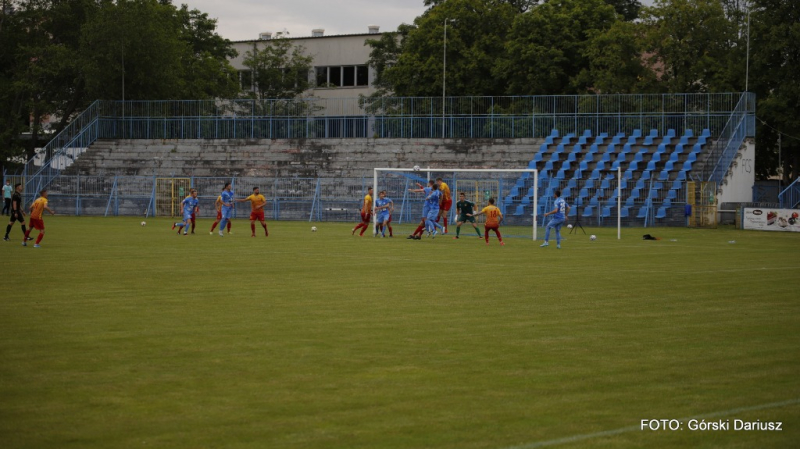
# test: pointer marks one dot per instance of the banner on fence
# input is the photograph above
(763, 219)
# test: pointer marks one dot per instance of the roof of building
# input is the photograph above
(311, 37)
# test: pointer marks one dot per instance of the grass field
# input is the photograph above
(119, 336)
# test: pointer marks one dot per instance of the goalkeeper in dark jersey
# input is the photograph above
(466, 210)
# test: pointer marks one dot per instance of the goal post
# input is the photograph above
(428, 171)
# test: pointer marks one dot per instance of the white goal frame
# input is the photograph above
(460, 170)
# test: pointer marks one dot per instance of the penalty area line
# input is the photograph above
(606, 433)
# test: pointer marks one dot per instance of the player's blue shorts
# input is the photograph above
(187, 215)
(555, 223)
(433, 214)
(425, 209)
(227, 212)
(383, 218)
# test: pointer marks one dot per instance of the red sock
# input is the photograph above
(419, 229)
(265, 229)
(253, 228)
(362, 230)
(390, 231)
(27, 234)
(499, 237)
(39, 239)
(214, 225)
(229, 226)
(486, 235)
(192, 224)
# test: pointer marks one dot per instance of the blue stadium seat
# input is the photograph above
(595, 174)
(606, 212)
(681, 176)
(661, 212)
(645, 175)
(672, 194)
(629, 201)
(642, 212)
(706, 133)
(605, 183)
(688, 133)
(670, 133)
(623, 212)
(587, 211)
(664, 175)
(572, 183)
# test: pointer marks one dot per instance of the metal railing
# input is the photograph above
(790, 196)
(723, 150)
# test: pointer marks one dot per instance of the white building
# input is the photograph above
(340, 67)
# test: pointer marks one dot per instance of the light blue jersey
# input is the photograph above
(227, 197)
(383, 214)
(561, 206)
(189, 204)
(432, 200)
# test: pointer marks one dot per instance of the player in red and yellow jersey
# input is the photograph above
(493, 219)
(445, 204)
(257, 203)
(366, 213)
(37, 222)
(218, 206)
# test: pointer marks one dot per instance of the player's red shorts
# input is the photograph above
(194, 217)
(446, 205)
(491, 227)
(36, 223)
(365, 217)
(219, 215)
(257, 215)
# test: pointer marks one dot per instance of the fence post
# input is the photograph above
(78, 195)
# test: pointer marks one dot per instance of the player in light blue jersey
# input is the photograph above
(227, 207)
(189, 205)
(384, 207)
(432, 202)
(559, 214)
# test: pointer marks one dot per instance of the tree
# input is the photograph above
(688, 41)
(546, 50)
(775, 78)
(616, 62)
(475, 40)
(280, 69)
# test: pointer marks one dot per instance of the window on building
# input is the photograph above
(342, 76)
(246, 80)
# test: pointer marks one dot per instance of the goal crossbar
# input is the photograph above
(535, 172)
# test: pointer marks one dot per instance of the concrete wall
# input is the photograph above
(301, 158)
(738, 184)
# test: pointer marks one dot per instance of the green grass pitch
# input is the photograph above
(121, 336)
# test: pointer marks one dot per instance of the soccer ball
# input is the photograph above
(592, 237)
(143, 223)
(416, 168)
(313, 229)
(569, 226)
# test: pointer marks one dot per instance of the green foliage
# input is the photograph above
(57, 56)
(280, 69)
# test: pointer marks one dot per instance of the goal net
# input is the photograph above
(515, 193)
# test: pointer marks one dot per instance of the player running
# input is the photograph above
(493, 219)
(383, 208)
(218, 206)
(227, 207)
(17, 212)
(445, 204)
(366, 213)
(257, 203)
(189, 207)
(37, 220)
(466, 213)
(559, 213)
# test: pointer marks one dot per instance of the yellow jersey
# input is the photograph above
(493, 215)
(256, 200)
(445, 191)
(367, 204)
(37, 209)
(218, 203)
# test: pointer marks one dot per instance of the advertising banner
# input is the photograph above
(765, 219)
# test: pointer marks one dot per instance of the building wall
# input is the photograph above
(741, 176)
(327, 51)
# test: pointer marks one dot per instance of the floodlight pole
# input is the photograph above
(619, 202)
(747, 63)
(444, 74)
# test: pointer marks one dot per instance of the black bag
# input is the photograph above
(648, 237)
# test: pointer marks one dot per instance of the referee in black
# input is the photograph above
(17, 214)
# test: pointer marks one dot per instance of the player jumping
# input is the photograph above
(466, 212)
(493, 219)
(445, 204)
(257, 203)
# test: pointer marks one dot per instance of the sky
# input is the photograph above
(239, 20)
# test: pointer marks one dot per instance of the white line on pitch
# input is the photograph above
(588, 436)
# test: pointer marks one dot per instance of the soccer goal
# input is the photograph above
(523, 195)
(515, 190)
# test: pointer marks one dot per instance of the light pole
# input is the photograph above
(747, 59)
(444, 76)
